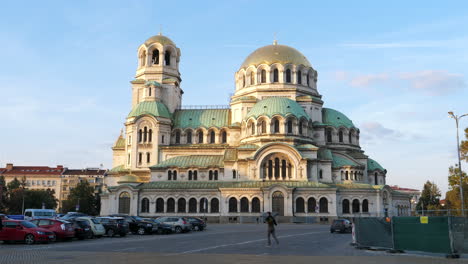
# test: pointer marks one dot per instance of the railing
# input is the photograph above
(204, 107)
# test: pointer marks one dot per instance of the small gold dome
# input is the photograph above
(130, 178)
(163, 40)
(275, 54)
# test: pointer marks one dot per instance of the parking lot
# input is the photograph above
(233, 243)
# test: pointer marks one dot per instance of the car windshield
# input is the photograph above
(28, 224)
(137, 218)
(44, 213)
(96, 221)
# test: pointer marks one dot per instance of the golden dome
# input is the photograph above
(275, 54)
(163, 40)
(130, 178)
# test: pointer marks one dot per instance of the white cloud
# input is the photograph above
(434, 82)
(369, 79)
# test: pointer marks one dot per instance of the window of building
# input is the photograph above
(210, 175)
(320, 174)
(311, 204)
(200, 136)
(323, 205)
(145, 134)
(276, 126)
(308, 80)
(376, 178)
(160, 205)
(145, 205)
(177, 137)
(189, 137)
(140, 135)
(167, 58)
(192, 205)
(190, 175)
(212, 137)
(244, 205)
(233, 205)
(170, 205)
(299, 77)
(346, 175)
(263, 126)
(223, 137)
(233, 174)
(300, 205)
(174, 175)
(149, 91)
(243, 80)
(252, 132)
(350, 138)
(252, 78)
(214, 205)
(124, 203)
(169, 175)
(290, 128)
(288, 76)
(195, 175)
(263, 76)
(329, 135)
(300, 127)
(140, 155)
(162, 139)
(148, 157)
(365, 206)
(340, 136)
(155, 58)
(356, 206)
(255, 205)
(275, 75)
(203, 205)
(150, 135)
(215, 175)
(345, 206)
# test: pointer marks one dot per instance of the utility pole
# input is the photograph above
(459, 161)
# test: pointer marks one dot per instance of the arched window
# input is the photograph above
(177, 137)
(345, 206)
(216, 175)
(299, 77)
(181, 204)
(148, 157)
(244, 205)
(167, 58)
(300, 127)
(252, 78)
(155, 58)
(169, 175)
(311, 204)
(290, 128)
(320, 174)
(140, 155)
(233, 174)
(308, 80)
(203, 205)
(145, 205)
(214, 205)
(192, 205)
(283, 169)
(355, 206)
(210, 175)
(275, 75)
(255, 205)
(189, 175)
(162, 139)
(376, 179)
(189, 137)
(124, 203)
(252, 132)
(288, 76)
(277, 168)
(145, 134)
(223, 137)
(243, 80)
(350, 138)
(212, 137)
(174, 175)
(150, 135)
(300, 205)
(329, 135)
(263, 126)
(233, 205)
(140, 135)
(323, 205)
(346, 176)
(160, 205)
(365, 206)
(340, 136)
(149, 91)
(276, 126)
(200, 136)
(170, 205)
(263, 76)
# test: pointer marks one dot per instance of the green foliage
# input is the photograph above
(464, 146)
(14, 184)
(429, 197)
(454, 178)
(3, 194)
(82, 194)
(35, 198)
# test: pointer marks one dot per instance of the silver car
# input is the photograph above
(179, 224)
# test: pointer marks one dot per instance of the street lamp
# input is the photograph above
(459, 161)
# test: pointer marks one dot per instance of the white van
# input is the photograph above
(30, 214)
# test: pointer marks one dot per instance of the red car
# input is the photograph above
(20, 230)
(62, 229)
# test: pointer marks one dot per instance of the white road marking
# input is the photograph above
(237, 244)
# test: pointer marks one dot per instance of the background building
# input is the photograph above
(71, 177)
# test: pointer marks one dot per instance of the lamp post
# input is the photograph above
(457, 118)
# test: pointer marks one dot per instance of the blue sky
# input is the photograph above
(395, 69)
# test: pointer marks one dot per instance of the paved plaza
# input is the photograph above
(233, 243)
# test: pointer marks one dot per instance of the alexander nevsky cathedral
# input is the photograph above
(274, 148)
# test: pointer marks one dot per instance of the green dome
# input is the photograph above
(335, 118)
(374, 165)
(275, 54)
(277, 106)
(154, 108)
(128, 179)
(163, 40)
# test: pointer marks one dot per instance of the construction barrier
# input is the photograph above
(373, 232)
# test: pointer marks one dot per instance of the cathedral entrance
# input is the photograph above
(277, 203)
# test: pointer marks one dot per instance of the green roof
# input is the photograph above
(153, 108)
(324, 154)
(198, 161)
(128, 179)
(373, 165)
(155, 83)
(195, 118)
(277, 106)
(335, 118)
(120, 143)
(118, 169)
(342, 161)
(306, 146)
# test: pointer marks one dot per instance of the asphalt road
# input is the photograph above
(233, 243)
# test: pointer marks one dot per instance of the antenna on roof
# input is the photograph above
(160, 30)
(275, 41)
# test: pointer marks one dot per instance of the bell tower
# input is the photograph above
(157, 77)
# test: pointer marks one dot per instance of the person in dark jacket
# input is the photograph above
(271, 222)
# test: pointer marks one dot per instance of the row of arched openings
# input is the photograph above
(312, 206)
(340, 136)
(182, 206)
(155, 58)
(263, 77)
(211, 138)
(244, 205)
(145, 135)
(262, 127)
(355, 206)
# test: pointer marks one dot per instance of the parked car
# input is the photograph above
(4, 217)
(341, 225)
(197, 223)
(137, 225)
(20, 230)
(62, 229)
(114, 226)
(72, 215)
(179, 224)
(96, 227)
(82, 229)
(59, 215)
(162, 228)
(30, 214)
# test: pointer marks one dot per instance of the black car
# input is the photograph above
(197, 223)
(137, 225)
(114, 226)
(82, 229)
(342, 226)
(72, 215)
(162, 228)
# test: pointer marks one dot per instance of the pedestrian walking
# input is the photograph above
(257, 220)
(271, 222)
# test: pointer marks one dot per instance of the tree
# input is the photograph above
(452, 197)
(37, 198)
(14, 184)
(3, 194)
(429, 197)
(82, 195)
(464, 147)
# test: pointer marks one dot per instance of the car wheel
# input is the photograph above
(331, 231)
(201, 229)
(110, 233)
(141, 231)
(196, 228)
(178, 229)
(29, 239)
(55, 238)
(90, 235)
(123, 234)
